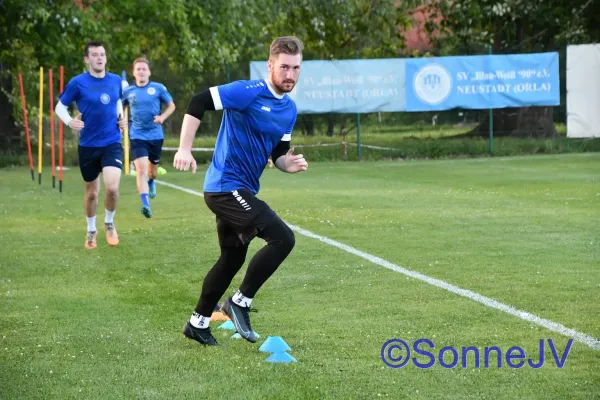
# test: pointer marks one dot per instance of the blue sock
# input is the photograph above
(150, 181)
(145, 201)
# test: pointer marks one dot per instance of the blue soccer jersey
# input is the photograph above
(255, 120)
(96, 99)
(145, 103)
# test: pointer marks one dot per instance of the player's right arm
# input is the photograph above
(69, 95)
(199, 103)
(234, 96)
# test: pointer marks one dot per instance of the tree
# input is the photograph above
(514, 26)
(180, 35)
(190, 44)
(338, 30)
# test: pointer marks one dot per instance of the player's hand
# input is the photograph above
(294, 163)
(184, 160)
(76, 123)
(122, 123)
(158, 119)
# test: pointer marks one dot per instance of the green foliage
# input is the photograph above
(190, 44)
(337, 29)
(469, 26)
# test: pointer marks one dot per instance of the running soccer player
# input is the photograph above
(97, 94)
(257, 123)
(145, 99)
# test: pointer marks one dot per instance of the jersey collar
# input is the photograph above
(273, 92)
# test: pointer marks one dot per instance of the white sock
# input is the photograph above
(199, 321)
(241, 300)
(91, 221)
(108, 216)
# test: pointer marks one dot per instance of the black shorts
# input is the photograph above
(239, 213)
(147, 148)
(93, 159)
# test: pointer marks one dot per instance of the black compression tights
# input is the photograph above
(280, 242)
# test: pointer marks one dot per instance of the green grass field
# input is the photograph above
(106, 323)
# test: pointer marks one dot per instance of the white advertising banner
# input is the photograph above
(583, 91)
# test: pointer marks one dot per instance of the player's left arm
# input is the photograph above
(165, 98)
(120, 115)
(159, 119)
(283, 156)
(286, 160)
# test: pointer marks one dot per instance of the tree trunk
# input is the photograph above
(10, 139)
(330, 124)
(308, 126)
(533, 122)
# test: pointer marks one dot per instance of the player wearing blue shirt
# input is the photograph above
(145, 99)
(97, 94)
(258, 119)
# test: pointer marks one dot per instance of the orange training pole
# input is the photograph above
(60, 137)
(24, 106)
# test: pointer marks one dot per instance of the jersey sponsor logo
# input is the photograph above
(265, 108)
(151, 91)
(105, 98)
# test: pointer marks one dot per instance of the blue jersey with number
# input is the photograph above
(96, 99)
(255, 120)
(145, 103)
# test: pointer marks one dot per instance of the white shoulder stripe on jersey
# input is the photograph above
(287, 137)
(214, 92)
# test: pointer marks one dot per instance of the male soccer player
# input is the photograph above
(98, 97)
(145, 99)
(257, 123)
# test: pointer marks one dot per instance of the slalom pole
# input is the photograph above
(24, 106)
(53, 163)
(40, 125)
(124, 84)
(60, 137)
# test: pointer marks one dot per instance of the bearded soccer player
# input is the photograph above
(97, 94)
(257, 124)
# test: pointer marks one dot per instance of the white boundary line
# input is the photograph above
(296, 146)
(588, 340)
(193, 148)
(368, 146)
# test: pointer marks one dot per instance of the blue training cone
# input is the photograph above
(227, 325)
(274, 344)
(282, 357)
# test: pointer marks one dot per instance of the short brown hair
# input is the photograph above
(286, 45)
(141, 59)
(90, 44)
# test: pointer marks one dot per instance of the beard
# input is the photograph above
(281, 85)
